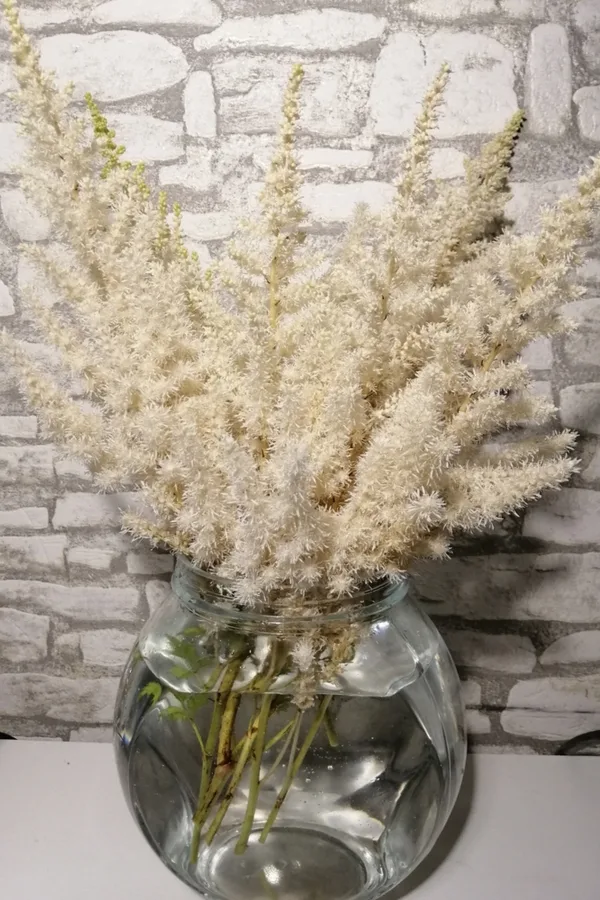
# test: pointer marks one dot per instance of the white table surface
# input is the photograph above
(525, 828)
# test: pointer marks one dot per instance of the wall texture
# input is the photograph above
(193, 87)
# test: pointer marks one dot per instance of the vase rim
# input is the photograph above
(358, 607)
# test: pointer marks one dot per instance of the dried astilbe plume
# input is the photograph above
(299, 433)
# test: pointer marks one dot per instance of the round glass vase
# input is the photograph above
(251, 780)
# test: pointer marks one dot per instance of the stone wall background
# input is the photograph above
(193, 88)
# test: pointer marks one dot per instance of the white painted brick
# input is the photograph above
(510, 749)
(29, 518)
(334, 95)
(12, 148)
(542, 389)
(329, 203)
(330, 158)
(576, 693)
(202, 13)
(580, 407)
(157, 593)
(82, 510)
(146, 138)
(496, 652)
(480, 96)
(92, 735)
(200, 113)
(477, 722)
(538, 354)
(589, 270)
(587, 100)
(327, 29)
(592, 470)
(212, 226)
(8, 82)
(35, 19)
(447, 162)
(570, 516)
(471, 693)
(458, 9)
(587, 15)
(196, 173)
(591, 51)
(149, 563)
(7, 307)
(86, 604)
(18, 426)
(33, 555)
(114, 65)
(530, 198)
(582, 347)
(72, 468)
(524, 9)
(90, 558)
(68, 646)
(579, 647)
(107, 647)
(26, 464)
(560, 587)
(21, 217)
(548, 726)
(548, 81)
(86, 701)
(23, 637)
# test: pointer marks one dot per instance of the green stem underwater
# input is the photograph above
(294, 768)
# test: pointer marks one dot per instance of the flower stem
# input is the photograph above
(203, 805)
(257, 754)
(290, 732)
(235, 779)
(330, 731)
(295, 767)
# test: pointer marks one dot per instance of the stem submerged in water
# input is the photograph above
(294, 768)
(257, 754)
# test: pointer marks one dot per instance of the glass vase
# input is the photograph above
(251, 780)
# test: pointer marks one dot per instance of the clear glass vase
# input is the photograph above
(248, 786)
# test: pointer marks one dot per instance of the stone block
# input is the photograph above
(146, 138)
(587, 100)
(480, 96)
(83, 510)
(26, 464)
(548, 81)
(200, 113)
(106, 647)
(307, 31)
(334, 95)
(114, 65)
(570, 517)
(495, 652)
(200, 13)
(573, 649)
(561, 587)
(330, 204)
(580, 407)
(18, 427)
(12, 148)
(21, 217)
(23, 637)
(29, 518)
(149, 563)
(84, 604)
(548, 726)
(42, 554)
(85, 701)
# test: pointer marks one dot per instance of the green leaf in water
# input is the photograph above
(153, 689)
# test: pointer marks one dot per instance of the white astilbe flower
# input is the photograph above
(301, 428)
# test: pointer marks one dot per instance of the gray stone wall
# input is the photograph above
(193, 87)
